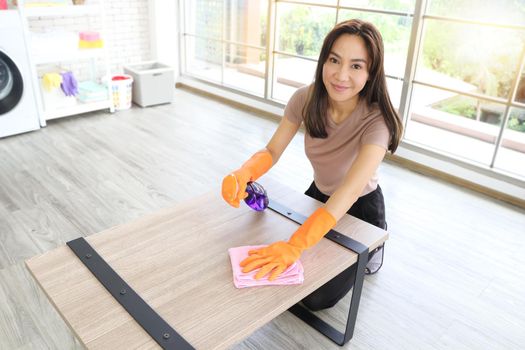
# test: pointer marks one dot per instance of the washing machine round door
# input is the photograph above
(11, 84)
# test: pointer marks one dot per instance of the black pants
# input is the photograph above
(369, 208)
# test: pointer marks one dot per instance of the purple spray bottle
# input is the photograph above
(257, 198)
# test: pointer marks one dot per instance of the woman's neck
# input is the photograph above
(339, 111)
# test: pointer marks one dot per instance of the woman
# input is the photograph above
(350, 124)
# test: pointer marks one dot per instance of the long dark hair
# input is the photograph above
(375, 90)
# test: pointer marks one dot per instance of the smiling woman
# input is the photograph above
(350, 124)
(350, 67)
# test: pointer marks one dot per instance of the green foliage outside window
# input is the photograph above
(458, 105)
(517, 120)
(302, 30)
(482, 56)
(471, 57)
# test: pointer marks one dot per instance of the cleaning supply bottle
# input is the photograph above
(257, 198)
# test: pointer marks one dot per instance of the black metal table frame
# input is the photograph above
(145, 316)
(362, 259)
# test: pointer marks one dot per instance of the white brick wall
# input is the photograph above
(126, 33)
(127, 25)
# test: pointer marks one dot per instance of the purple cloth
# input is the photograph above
(292, 275)
(69, 84)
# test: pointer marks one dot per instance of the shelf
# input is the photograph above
(55, 44)
(61, 11)
(77, 109)
(65, 56)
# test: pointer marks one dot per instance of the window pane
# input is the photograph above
(520, 93)
(203, 58)
(511, 155)
(395, 31)
(245, 69)
(316, 2)
(301, 29)
(503, 11)
(394, 91)
(399, 5)
(456, 124)
(204, 18)
(246, 21)
(290, 74)
(470, 58)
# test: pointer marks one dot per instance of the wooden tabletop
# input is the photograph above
(177, 261)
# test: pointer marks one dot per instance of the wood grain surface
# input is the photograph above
(177, 261)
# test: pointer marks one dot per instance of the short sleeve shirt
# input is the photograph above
(333, 156)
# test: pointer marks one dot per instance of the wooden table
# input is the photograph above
(177, 261)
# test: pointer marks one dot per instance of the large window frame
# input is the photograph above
(419, 19)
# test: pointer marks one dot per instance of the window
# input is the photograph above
(225, 43)
(465, 92)
(300, 31)
(465, 76)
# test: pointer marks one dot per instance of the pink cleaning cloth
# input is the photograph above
(89, 36)
(292, 275)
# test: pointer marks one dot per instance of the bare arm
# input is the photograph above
(368, 160)
(281, 138)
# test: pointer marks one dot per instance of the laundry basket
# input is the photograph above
(121, 87)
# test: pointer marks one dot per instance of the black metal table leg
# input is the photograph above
(362, 259)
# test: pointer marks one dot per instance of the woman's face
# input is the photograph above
(345, 72)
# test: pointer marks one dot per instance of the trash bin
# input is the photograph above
(154, 83)
(121, 91)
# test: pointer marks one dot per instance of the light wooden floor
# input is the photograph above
(454, 275)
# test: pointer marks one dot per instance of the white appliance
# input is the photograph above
(18, 106)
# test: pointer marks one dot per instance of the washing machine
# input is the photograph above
(18, 106)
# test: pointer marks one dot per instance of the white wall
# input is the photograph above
(164, 32)
(127, 31)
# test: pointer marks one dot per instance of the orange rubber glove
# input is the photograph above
(234, 184)
(277, 257)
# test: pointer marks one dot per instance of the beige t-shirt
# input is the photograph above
(333, 156)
